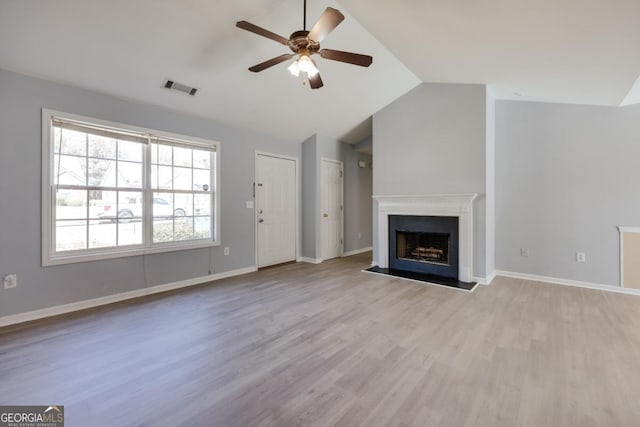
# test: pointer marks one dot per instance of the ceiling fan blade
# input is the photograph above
(329, 20)
(262, 32)
(315, 82)
(348, 57)
(271, 62)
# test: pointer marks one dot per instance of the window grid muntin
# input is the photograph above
(155, 161)
(145, 188)
(87, 188)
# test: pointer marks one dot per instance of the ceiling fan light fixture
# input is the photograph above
(305, 64)
(304, 44)
(313, 70)
(294, 68)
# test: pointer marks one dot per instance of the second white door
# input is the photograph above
(276, 205)
(331, 206)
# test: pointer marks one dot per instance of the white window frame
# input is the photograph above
(49, 255)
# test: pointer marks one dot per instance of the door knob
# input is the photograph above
(326, 215)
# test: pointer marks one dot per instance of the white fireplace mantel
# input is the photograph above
(455, 205)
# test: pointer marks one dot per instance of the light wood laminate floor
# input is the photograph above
(323, 345)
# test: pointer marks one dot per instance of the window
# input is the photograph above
(181, 183)
(111, 190)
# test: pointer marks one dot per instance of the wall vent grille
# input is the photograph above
(170, 84)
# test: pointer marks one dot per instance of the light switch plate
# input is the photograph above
(249, 204)
(10, 281)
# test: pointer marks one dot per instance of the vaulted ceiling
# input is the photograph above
(569, 51)
(560, 51)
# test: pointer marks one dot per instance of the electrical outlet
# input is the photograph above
(10, 281)
(581, 257)
(524, 252)
(359, 236)
(227, 250)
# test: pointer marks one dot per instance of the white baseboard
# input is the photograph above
(109, 299)
(357, 251)
(310, 260)
(568, 282)
(485, 280)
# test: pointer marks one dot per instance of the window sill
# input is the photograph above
(123, 253)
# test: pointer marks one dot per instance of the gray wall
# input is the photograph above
(21, 101)
(490, 184)
(566, 176)
(329, 148)
(357, 195)
(432, 141)
(365, 146)
(309, 197)
(358, 189)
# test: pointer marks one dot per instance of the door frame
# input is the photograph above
(296, 200)
(341, 163)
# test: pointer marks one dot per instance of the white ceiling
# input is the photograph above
(633, 97)
(570, 51)
(128, 48)
(573, 51)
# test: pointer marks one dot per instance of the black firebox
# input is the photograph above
(424, 244)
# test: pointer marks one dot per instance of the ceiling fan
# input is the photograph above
(304, 44)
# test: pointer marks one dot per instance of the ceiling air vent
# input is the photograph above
(170, 84)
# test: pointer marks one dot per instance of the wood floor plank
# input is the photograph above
(328, 345)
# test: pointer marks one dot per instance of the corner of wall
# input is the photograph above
(309, 201)
(490, 181)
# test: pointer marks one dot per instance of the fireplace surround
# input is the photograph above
(459, 206)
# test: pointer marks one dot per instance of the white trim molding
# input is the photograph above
(623, 230)
(629, 229)
(310, 260)
(485, 280)
(357, 251)
(110, 299)
(453, 205)
(568, 282)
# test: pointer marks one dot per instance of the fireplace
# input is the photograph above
(424, 244)
(456, 206)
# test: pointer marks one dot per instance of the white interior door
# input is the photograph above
(276, 210)
(331, 206)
